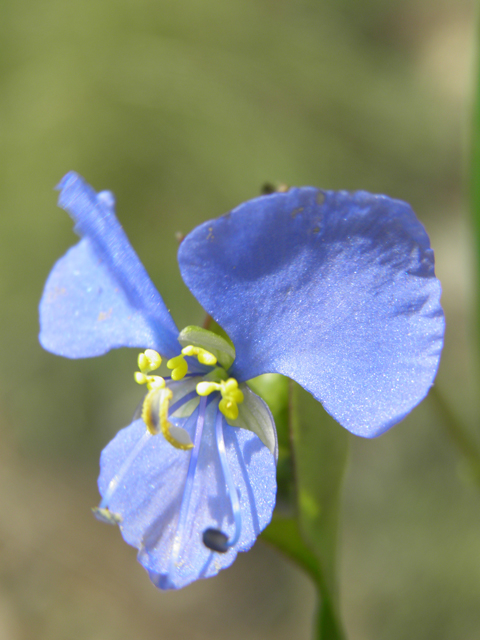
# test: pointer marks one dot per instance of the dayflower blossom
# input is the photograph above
(335, 290)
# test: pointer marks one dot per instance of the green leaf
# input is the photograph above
(320, 448)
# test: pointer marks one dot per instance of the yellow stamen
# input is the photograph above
(203, 356)
(165, 424)
(232, 396)
(206, 388)
(148, 361)
(152, 382)
(179, 366)
(228, 408)
(148, 416)
(157, 420)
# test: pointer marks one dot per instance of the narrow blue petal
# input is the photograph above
(333, 289)
(99, 296)
(150, 494)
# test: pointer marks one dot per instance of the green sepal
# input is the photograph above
(254, 415)
(273, 388)
(222, 348)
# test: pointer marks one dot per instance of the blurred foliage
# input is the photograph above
(184, 108)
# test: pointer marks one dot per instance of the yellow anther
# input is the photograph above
(152, 382)
(231, 387)
(179, 366)
(149, 360)
(158, 417)
(155, 382)
(229, 408)
(232, 396)
(206, 388)
(203, 356)
(140, 378)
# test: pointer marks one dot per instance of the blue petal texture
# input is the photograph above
(99, 296)
(336, 290)
(149, 497)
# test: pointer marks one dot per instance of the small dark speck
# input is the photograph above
(320, 197)
(267, 189)
(316, 229)
(296, 211)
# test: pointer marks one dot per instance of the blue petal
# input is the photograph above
(149, 497)
(99, 296)
(335, 290)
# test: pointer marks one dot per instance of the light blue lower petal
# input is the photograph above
(150, 495)
(336, 290)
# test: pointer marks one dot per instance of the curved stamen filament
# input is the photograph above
(149, 416)
(214, 538)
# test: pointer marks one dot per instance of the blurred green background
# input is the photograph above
(184, 108)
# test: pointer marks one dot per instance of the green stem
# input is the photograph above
(328, 627)
(458, 433)
(284, 534)
(474, 181)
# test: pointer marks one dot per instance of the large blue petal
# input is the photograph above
(99, 296)
(149, 497)
(333, 289)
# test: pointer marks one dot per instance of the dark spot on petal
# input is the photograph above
(320, 197)
(215, 540)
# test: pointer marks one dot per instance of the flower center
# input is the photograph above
(156, 405)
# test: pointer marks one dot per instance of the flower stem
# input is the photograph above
(207, 323)
(327, 626)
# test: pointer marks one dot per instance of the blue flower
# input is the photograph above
(333, 289)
